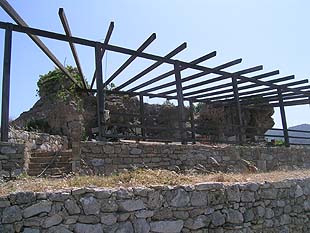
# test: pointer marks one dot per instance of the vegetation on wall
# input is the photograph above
(55, 84)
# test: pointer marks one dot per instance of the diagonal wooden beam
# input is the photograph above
(171, 72)
(241, 72)
(152, 67)
(130, 59)
(67, 30)
(195, 76)
(261, 76)
(106, 41)
(16, 17)
(214, 93)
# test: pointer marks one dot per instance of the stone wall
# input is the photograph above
(105, 158)
(11, 159)
(207, 207)
(39, 142)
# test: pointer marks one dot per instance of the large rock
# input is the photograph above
(88, 228)
(41, 207)
(131, 205)
(11, 214)
(167, 226)
(90, 205)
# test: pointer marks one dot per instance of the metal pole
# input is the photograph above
(6, 85)
(178, 81)
(191, 110)
(236, 97)
(100, 93)
(283, 118)
(142, 116)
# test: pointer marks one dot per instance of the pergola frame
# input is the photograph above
(278, 95)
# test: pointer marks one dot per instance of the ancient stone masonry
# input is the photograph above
(207, 207)
(11, 159)
(106, 158)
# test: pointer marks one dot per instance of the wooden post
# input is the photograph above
(100, 93)
(283, 118)
(142, 117)
(6, 85)
(192, 119)
(178, 81)
(239, 113)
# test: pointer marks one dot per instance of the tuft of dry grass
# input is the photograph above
(143, 177)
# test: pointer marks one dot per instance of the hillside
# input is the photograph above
(303, 127)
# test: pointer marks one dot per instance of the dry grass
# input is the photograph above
(142, 178)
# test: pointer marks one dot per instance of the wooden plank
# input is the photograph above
(152, 67)
(6, 85)
(142, 116)
(192, 121)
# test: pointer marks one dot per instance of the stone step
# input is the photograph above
(54, 165)
(49, 171)
(51, 154)
(50, 158)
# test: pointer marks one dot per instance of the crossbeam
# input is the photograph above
(171, 72)
(67, 30)
(106, 41)
(130, 59)
(15, 16)
(152, 67)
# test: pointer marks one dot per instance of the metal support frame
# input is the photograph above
(178, 80)
(283, 118)
(238, 108)
(100, 93)
(6, 85)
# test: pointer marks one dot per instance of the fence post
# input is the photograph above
(178, 81)
(283, 118)
(100, 93)
(239, 113)
(6, 85)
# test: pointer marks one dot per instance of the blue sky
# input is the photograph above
(262, 32)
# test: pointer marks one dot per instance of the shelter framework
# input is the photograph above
(225, 88)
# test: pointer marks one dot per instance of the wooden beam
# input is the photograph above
(199, 84)
(283, 118)
(178, 80)
(14, 15)
(238, 108)
(195, 76)
(106, 41)
(6, 85)
(130, 59)
(67, 30)
(214, 93)
(171, 72)
(152, 67)
(142, 116)
(100, 93)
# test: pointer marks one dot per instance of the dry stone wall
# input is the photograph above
(106, 158)
(11, 159)
(207, 207)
